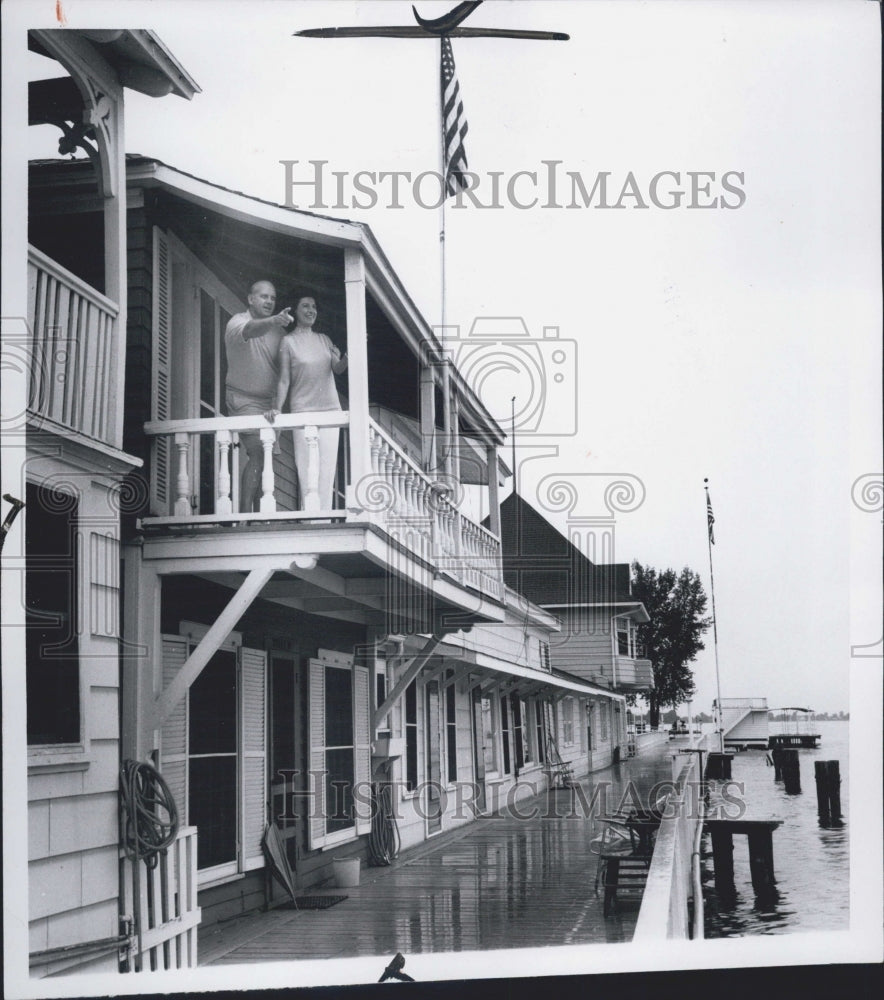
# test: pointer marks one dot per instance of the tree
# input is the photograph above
(676, 604)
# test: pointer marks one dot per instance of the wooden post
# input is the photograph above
(723, 859)
(822, 791)
(791, 772)
(761, 859)
(834, 789)
(357, 372)
(777, 757)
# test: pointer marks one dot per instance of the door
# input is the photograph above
(478, 747)
(212, 764)
(433, 759)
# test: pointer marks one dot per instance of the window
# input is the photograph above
(518, 732)
(340, 750)
(505, 733)
(567, 721)
(212, 718)
(411, 737)
(604, 709)
(544, 655)
(380, 693)
(539, 710)
(489, 742)
(526, 731)
(623, 637)
(213, 754)
(52, 665)
(451, 732)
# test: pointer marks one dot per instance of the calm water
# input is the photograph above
(811, 863)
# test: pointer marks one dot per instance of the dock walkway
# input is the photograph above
(497, 882)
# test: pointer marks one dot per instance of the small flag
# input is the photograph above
(710, 518)
(454, 124)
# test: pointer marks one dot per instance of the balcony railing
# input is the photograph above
(195, 473)
(74, 351)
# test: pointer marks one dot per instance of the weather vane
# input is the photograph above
(447, 25)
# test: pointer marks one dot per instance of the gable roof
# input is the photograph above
(545, 566)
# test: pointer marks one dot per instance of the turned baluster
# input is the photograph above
(310, 502)
(223, 504)
(268, 500)
(182, 482)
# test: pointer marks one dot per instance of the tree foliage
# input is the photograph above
(676, 603)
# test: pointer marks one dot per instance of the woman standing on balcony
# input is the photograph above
(308, 363)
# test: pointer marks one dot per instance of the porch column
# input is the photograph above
(428, 417)
(115, 263)
(493, 489)
(448, 431)
(140, 654)
(357, 373)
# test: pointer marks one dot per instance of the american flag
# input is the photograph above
(454, 124)
(710, 518)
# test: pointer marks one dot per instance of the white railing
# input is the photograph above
(425, 517)
(418, 511)
(165, 911)
(672, 879)
(176, 476)
(747, 703)
(73, 362)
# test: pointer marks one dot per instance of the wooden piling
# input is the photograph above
(723, 859)
(821, 777)
(833, 776)
(761, 859)
(777, 757)
(791, 772)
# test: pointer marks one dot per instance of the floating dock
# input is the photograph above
(796, 729)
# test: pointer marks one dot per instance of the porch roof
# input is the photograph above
(382, 280)
(139, 57)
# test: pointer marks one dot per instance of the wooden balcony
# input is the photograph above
(195, 476)
(633, 674)
(74, 355)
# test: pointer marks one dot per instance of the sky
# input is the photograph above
(737, 344)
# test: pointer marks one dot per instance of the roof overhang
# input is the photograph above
(636, 608)
(140, 59)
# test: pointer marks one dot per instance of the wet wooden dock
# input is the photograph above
(499, 882)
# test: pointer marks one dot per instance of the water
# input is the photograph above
(810, 862)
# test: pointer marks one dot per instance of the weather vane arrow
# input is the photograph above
(446, 25)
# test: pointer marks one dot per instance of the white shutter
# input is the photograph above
(316, 818)
(161, 363)
(253, 741)
(173, 738)
(362, 746)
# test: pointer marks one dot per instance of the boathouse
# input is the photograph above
(744, 723)
(276, 665)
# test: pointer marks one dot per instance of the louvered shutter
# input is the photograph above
(161, 383)
(362, 749)
(173, 738)
(316, 818)
(253, 715)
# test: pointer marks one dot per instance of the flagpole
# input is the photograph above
(444, 187)
(709, 522)
(513, 432)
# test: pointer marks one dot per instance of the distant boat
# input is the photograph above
(796, 728)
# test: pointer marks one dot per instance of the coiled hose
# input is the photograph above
(384, 842)
(146, 800)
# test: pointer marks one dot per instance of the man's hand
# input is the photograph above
(283, 318)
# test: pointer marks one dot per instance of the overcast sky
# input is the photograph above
(736, 344)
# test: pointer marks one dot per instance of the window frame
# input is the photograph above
(62, 750)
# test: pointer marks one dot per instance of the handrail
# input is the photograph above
(200, 425)
(39, 259)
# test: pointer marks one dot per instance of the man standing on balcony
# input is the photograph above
(252, 342)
